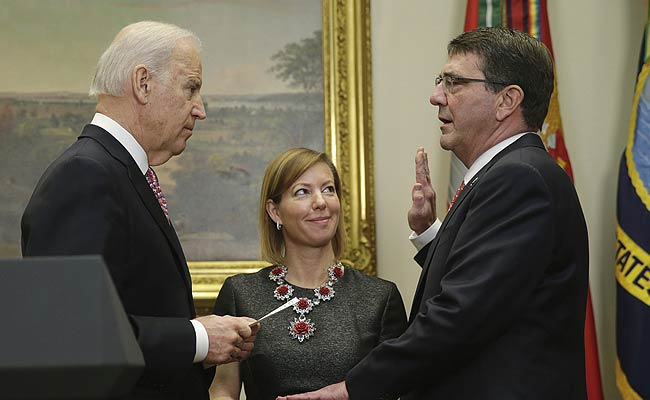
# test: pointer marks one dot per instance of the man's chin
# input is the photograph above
(180, 148)
(445, 142)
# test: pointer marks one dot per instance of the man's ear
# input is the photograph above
(509, 100)
(141, 83)
(273, 212)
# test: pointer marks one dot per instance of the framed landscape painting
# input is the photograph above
(276, 75)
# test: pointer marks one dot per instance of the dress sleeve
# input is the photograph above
(225, 304)
(393, 320)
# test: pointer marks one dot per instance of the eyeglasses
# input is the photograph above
(449, 80)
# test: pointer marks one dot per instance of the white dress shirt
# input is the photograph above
(140, 157)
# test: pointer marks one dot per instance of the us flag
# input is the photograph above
(633, 244)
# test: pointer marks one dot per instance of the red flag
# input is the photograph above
(531, 16)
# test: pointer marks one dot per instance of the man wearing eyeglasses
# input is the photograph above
(500, 305)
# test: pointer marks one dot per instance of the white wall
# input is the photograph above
(596, 47)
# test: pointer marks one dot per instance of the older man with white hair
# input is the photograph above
(101, 196)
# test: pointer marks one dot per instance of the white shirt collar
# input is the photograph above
(485, 158)
(125, 138)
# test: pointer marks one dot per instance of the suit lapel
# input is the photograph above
(525, 141)
(417, 298)
(151, 203)
(143, 189)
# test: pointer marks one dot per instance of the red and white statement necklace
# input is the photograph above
(302, 328)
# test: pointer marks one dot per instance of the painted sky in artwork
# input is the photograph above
(52, 46)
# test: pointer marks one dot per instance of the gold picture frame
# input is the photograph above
(348, 140)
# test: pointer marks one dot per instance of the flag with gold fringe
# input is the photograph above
(633, 243)
(531, 16)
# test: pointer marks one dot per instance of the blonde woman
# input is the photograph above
(341, 313)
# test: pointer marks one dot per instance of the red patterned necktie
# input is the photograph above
(460, 189)
(152, 179)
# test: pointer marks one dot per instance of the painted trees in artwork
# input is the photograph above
(300, 64)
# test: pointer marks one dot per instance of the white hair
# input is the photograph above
(146, 42)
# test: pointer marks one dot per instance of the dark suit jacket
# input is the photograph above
(500, 306)
(93, 199)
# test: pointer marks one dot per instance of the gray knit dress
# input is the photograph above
(363, 312)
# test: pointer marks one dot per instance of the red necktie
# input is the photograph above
(460, 189)
(152, 179)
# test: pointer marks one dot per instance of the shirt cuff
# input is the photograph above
(202, 342)
(421, 240)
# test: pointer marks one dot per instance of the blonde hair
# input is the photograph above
(280, 174)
